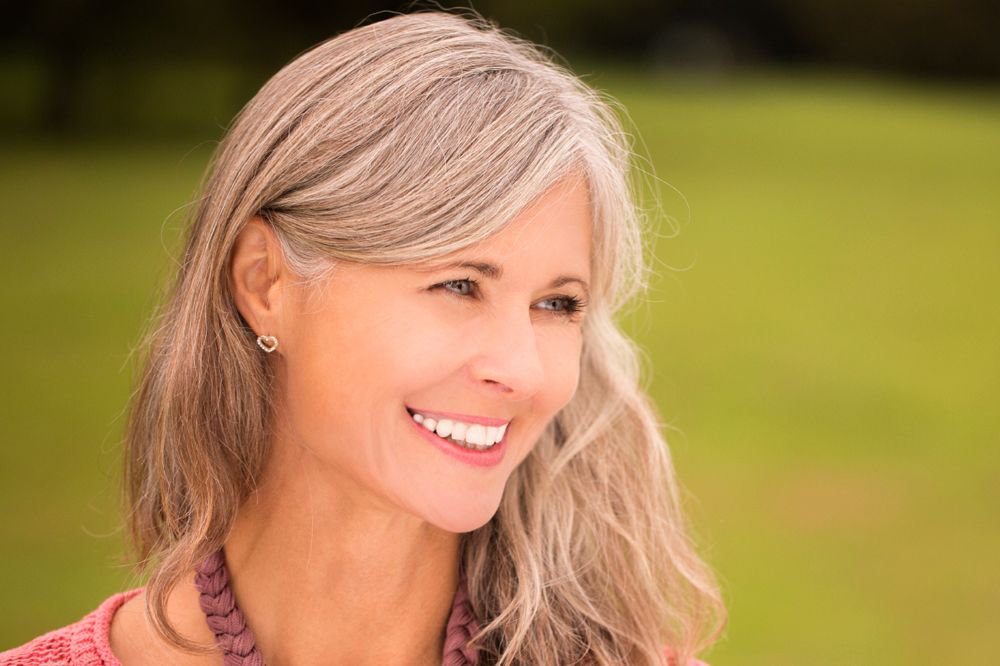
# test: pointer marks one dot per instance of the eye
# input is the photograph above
(468, 286)
(568, 306)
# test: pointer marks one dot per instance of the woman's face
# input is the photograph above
(374, 344)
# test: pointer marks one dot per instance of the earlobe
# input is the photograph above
(254, 273)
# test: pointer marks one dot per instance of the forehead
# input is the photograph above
(548, 244)
(554, 230)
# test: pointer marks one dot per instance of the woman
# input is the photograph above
(386, 415)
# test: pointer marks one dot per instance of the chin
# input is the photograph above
(465, 516)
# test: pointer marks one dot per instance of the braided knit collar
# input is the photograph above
(239, 647)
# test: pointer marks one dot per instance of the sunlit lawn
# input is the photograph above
(822, 335)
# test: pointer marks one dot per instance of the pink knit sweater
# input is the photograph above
(85, 642)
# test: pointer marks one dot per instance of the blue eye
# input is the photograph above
(569, 308)
(570, 304)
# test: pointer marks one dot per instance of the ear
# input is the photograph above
(256, 271)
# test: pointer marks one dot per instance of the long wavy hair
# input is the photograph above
(401, 141)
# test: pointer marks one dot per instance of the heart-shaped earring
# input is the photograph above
(267, 342)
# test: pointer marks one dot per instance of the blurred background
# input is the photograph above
(822, 330)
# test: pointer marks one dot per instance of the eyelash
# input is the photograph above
(574, 306)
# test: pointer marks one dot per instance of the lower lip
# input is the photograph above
(488, 458)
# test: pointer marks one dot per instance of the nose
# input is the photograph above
(507, 358)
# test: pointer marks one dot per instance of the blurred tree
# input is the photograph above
(930, 37)
(73, 38)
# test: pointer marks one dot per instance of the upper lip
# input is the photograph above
(483, 420)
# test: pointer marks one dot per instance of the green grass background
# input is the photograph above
(822, 336)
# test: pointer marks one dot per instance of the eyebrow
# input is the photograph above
(495, 272)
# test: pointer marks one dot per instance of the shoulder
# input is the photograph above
(83, 643)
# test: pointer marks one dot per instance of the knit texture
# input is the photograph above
(236, 639)
(83, 643)
(224, 619)
(86, 642)
(461, 626)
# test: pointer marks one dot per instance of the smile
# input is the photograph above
(469, 435)
(475, 444)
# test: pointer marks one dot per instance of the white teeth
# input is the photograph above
(473, 436)
(444, 427)
(476, 434)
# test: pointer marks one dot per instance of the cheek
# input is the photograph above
(339, 366)
(562, 368)
(367, 360)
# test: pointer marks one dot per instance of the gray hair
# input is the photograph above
(396, 142)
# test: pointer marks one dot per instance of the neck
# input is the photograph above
(326, 574)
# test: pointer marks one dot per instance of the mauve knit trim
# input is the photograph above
(226, 621)
(236, 639)
(86, 642)
(461, 627)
